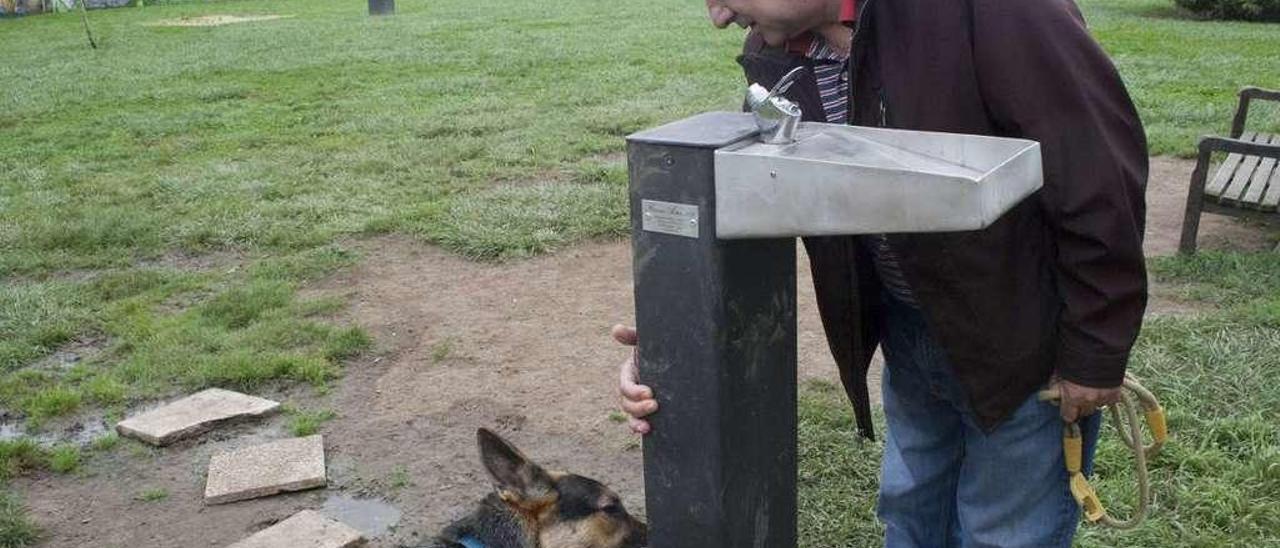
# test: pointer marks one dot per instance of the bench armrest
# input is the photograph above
(1242, 110)
(1211, 144)
(1259, 93)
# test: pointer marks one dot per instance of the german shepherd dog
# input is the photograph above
(535, 508)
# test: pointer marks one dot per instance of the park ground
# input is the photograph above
(409, 227)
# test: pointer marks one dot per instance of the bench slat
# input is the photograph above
(1226, 170)
(1271, 200)
(1244, 174)
(1253, 196)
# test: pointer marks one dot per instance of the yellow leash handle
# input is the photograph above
(1073, 451)
(1151, 409)
(1154, 414)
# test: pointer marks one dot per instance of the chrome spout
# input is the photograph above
(776, 116)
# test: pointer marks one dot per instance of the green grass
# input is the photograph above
(64, 459)
(308, 422)
(24, 455)
(20, 456)
(1217, 483)
(441, 350)
(1183, 73)
(353, 125)
(173, 330)
(270, 139)
(105, 443)
(400, 478)
(154, 494)
(16, 529)
(37, 317)
(838, 474)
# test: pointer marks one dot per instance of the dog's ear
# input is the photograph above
(519, 480)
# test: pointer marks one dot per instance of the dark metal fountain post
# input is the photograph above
(382, 7)
(717, 329)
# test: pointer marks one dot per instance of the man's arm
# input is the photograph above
(1044, 78)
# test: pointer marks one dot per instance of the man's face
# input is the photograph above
(775, 20)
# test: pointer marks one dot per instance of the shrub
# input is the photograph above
(1248, 10)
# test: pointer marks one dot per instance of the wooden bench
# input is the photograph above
(1246, 184)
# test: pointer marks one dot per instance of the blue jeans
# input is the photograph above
(947, 483)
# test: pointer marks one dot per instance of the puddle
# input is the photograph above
(371, 516)
(10, 431)
(69, 355)
(80, 431)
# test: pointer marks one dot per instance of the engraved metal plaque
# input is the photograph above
(670, 218)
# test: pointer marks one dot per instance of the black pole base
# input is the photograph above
(717, 326)
(382, 7)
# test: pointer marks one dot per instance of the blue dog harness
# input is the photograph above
(471, 542)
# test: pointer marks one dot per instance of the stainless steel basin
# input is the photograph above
(837, 179)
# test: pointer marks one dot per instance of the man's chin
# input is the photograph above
(773, 38)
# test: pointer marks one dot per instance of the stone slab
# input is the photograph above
(261, 470)
(194, 415)
(305, 529)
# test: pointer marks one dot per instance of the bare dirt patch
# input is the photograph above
(521, 347)
(215, 20)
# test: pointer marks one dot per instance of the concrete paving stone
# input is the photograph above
(305, 529)
(194, 415)
(261, 470)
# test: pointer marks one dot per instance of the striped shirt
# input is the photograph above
(831, 70)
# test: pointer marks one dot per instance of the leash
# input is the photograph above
(1127, 424)
(470, 542)
(466, 542)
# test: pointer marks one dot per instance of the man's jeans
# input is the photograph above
(946, 483)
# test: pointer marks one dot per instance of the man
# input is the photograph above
(971, 324)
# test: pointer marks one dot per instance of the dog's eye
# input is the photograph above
(612, 509)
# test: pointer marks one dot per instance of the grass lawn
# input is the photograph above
(1183, 74)
(166, 195)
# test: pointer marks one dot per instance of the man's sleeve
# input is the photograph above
(1044, 78)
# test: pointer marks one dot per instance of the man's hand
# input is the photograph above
(1081, 401)
(637, 399)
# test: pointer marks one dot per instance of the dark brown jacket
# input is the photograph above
(1058, 284)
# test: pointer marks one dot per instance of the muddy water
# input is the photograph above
(80, 431)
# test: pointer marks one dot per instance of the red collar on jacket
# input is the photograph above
(849, 12)
(848, 16)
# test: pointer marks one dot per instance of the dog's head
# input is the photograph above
(560, 510)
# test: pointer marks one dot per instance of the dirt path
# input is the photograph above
(521, 347)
